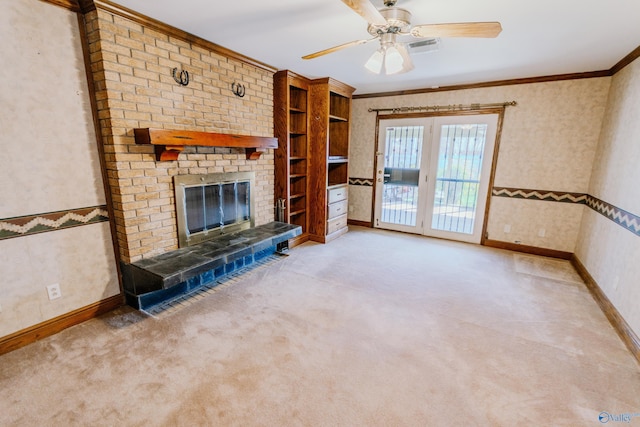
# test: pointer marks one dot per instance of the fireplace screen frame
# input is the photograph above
(184, 182)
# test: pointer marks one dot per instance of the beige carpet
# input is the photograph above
(373, 329)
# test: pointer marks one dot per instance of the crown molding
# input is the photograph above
(632, 56)
(628, 59)
(527, 80)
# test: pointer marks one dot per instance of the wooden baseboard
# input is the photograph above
(626, 334)
(534, 250)
(360, 223)
(329, 237)
(304, 237)
(316, 238)
(53, 326)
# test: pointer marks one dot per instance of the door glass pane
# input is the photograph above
(403, 153)
(458, 177)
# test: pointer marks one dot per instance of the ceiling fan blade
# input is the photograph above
(368, 11)
(461, 29)
(337, 48)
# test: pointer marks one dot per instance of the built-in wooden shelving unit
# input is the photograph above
(291, 124)
(329, 180)
(311, 120)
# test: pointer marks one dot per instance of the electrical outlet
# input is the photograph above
(54, 291)
(542, 232)
(507, 228)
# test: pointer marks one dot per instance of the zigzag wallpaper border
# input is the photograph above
(366, 182)
(544, 195)
(621, 217)
(52, 221)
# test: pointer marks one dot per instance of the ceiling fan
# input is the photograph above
(390, 22)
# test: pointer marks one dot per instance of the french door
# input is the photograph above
(433, 175)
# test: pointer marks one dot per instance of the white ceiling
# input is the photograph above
(539, 38)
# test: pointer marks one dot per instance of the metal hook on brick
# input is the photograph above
(183, 78)
(238, 89)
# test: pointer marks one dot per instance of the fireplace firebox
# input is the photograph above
(213, 204)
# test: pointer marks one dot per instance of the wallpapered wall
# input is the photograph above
(611, 252)
(49, 164)
(548, 143)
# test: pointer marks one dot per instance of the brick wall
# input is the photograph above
(131, 65)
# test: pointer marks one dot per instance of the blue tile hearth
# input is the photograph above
(151, 281)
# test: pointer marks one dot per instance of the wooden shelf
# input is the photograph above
(298, 212)
(297, 196)
(337, 159)
(170, 143)
(338, 119)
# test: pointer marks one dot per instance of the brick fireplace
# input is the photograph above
(132, 62)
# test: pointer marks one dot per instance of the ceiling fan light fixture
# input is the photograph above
(375, 62)
(393, 60)
(391, 57)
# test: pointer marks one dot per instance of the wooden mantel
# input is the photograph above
(170, 143)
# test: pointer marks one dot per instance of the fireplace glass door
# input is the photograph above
(209, 205)
(213, 206)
